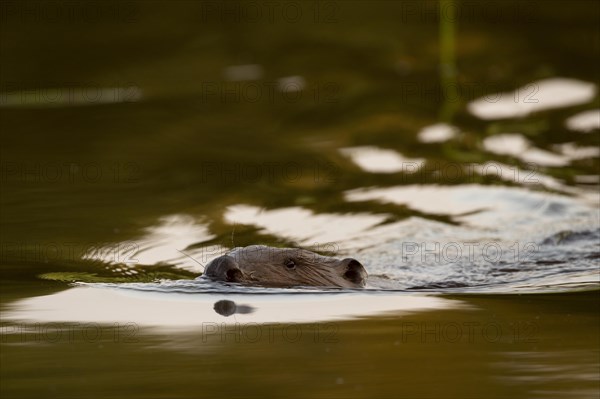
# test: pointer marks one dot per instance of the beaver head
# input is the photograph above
(285, 267)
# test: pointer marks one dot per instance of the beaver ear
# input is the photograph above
(354, 271)
(224, 268)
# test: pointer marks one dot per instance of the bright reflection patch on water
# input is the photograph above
(191, 312)
(302, 225)
(575, 152)
(518, 146)
(529, 177)
(536, 96)
(485, 205)
(506, 144)
(585, 121)
(378, 160)
(541, 157)
(69, 96)
(437, 133)
(165, 242)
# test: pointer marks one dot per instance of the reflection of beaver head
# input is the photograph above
(285, 267)
(227, 308)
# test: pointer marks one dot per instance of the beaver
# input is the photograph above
(285, 267)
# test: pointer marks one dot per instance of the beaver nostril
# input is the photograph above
(355, 272)
(233, 275)
(353, 276)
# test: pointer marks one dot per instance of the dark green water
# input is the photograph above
(126, 134)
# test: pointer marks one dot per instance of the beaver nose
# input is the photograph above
(355, 272)
(225, 268)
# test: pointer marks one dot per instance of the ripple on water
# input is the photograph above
(505, 238)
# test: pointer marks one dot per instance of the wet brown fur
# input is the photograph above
(266, 266)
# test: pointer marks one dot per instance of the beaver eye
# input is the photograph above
(290, 264)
